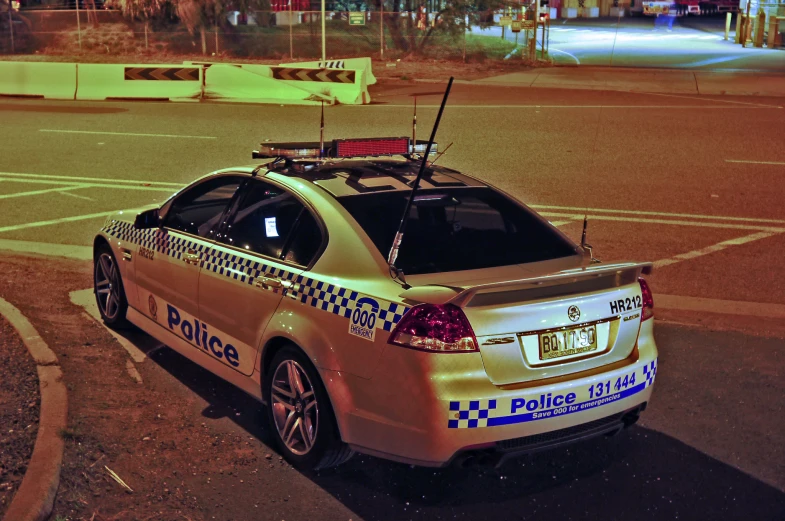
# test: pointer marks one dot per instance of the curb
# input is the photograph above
(35, 498)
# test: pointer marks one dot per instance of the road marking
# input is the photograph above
(96, 179)
(565, 52)
(712, 249)
(659, 214)
(45, 191)
(778, 163)
(77, 196)
(89, 185)
(135, 134)
(65, 220)
(698, 98)
(725, 307)
(70, 251)
(666, 221)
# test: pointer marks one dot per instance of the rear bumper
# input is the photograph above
(432, 410)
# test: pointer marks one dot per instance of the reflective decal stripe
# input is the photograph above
(540, 405)
(318, 294)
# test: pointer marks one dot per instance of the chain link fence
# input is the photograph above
(105, 35)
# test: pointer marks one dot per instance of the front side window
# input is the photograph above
(198, 210)
(264, 220)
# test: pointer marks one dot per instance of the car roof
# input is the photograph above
(354, 177)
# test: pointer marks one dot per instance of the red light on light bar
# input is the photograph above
(371, 147)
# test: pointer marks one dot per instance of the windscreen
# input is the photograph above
(456, 229)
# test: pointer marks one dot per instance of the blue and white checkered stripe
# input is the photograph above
(650, 371)
(471, 414)
(307, 290)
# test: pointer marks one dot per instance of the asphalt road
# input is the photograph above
(709, 446)
(692, 183)
(660, 176)
(694, 42)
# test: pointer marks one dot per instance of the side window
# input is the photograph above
(198, 211)
(306, 241)
(263, 220)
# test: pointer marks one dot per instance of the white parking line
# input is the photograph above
(64, 220)
(778, 163)
(711, 100)
(61, 189)
(134, 134)
(77, 196)
(90, 185)
(95, 179)
(70, 251)
(699, 224)
(713, 248)
(659, 214)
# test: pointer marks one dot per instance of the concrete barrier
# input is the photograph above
(355, 64)
(255, 84)
(155, 82)
(44, 80)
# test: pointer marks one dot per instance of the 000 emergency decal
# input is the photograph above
(362, 322)
(216, 344)
(538, 406)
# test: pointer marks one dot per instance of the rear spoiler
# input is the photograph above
(579, 280)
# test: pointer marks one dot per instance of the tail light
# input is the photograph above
(437, 328)
(648, 301)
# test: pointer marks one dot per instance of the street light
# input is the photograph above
(324, 57)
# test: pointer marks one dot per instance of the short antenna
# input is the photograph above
(321, 133)
(414, 125)
(396, 245)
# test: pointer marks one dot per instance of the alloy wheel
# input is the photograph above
(107, 285)
(294, 407)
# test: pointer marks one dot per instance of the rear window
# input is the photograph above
(456, 229)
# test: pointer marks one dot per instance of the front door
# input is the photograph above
(169, 258)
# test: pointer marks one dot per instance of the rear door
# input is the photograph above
(269, 238)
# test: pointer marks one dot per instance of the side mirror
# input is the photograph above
(147, 219)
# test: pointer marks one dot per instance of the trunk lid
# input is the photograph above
(554, 324)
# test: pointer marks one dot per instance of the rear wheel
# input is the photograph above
(300, 414)
(108, 288)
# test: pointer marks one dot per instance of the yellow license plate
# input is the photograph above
(557, 344)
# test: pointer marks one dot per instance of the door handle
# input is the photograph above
(271, 283)
(191, 257)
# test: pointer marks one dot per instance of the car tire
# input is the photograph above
(300, 415)
(108, 288)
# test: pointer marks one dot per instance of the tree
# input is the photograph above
(448, 18)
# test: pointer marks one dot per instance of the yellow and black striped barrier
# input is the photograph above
(162, 73)
(323, 75)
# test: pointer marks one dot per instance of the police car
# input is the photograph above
(488, 334)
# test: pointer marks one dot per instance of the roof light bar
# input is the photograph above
(343, 148)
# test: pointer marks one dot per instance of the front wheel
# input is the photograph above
(108, 288)
(300, 414)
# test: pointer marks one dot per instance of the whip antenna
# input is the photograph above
(396, 245)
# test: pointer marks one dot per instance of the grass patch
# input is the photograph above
(68, 434)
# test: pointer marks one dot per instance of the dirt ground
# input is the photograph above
(150, 439)
(19, 409)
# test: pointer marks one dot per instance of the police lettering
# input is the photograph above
(544, 401)
(198, 334)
